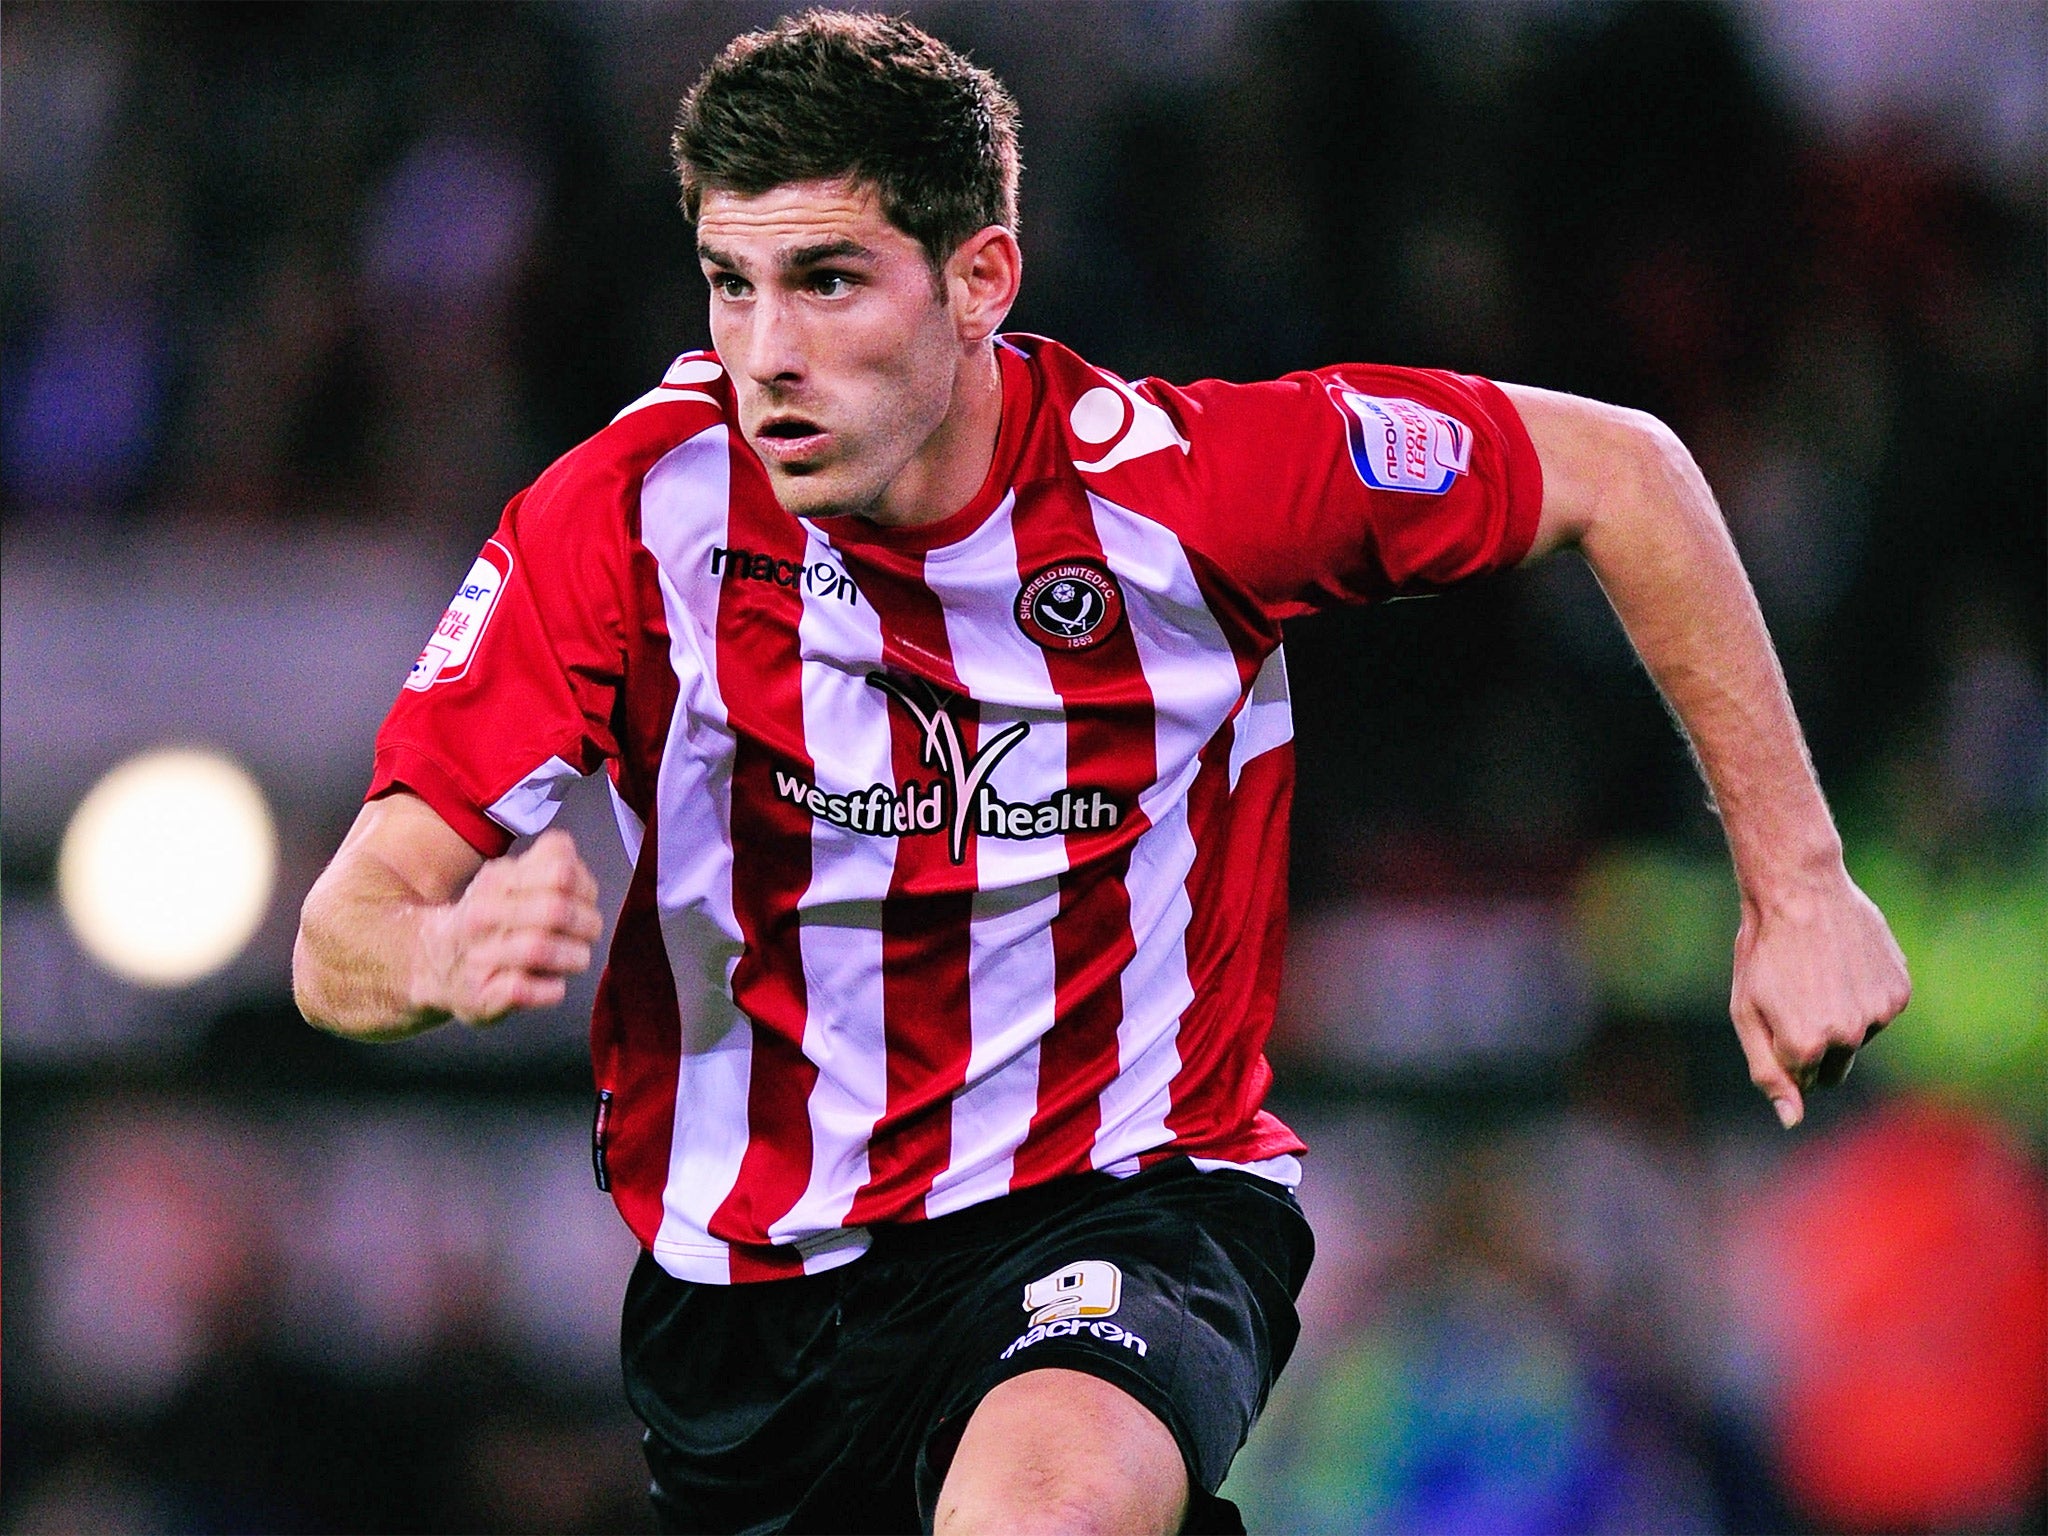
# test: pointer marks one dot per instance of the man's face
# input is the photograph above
(841, 347)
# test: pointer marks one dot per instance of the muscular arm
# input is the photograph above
(1816, 969)
(410, 927)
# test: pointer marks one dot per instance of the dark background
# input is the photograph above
(296, 297)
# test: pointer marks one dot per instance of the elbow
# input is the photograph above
(1607, 469)
(1650, 478)
(1654, 458)
(336, 989)
(302, 985)
(318, 987)
(1650, 433)
(307, 992)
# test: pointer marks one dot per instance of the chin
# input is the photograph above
(816, 493)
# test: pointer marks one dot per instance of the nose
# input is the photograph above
(775, 342)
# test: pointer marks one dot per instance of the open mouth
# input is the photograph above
(790, 439)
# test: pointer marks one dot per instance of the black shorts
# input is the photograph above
(833, 1402)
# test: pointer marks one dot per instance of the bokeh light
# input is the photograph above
(167, 867)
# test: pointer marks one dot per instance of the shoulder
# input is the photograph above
(602, 475)
(1110, 432)
(1160, 442)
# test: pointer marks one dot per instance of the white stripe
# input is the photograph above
(663, 394)
(846, 731)
(829, 1250)
(1005, 672)
(1010, 981)
(528, 806)
(1193, 678)
(683, 515)
(1284, 1169)
(1267, 719)
(1155, 990)
(1010, 971)
(632, 831)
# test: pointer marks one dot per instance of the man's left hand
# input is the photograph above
(1815, 977)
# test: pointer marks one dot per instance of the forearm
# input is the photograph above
(410, 927)
(360, 967)
(1662, 553)
(1816, 969)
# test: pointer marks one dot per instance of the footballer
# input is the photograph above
(936, 676)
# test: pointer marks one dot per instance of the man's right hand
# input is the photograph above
(522, 928)
(410, 926)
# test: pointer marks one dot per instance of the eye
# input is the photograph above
(831, 285)
(729, 285)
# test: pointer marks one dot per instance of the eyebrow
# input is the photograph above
(841, 249)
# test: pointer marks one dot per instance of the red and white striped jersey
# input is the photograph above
(960, 852)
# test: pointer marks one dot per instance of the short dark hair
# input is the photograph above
(833, 94)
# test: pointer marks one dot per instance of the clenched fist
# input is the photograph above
(525, 925)
(1814, 980)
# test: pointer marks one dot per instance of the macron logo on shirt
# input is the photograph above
(821, 578)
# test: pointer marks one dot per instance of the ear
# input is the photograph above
(982, 277)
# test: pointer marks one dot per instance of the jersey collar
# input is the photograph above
(1020, 403)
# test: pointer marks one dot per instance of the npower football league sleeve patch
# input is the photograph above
(447, 653)
(1402, 445)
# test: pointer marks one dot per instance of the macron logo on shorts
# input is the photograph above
(1402, 445)
(1073, 1301)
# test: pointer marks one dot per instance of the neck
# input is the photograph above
(951, 466)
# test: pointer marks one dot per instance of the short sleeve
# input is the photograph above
(1356, 482)
(513, 696)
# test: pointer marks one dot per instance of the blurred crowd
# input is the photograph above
(1597, 1319)
(316, 1314)
(278, 279)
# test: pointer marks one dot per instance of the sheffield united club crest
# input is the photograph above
(1072, 605)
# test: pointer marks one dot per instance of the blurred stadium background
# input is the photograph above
(295, 298)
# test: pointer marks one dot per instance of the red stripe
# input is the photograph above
(636, 1031)
(1237, 924)
(1237, 931)
(636, 1036)
(749, 1262)
(1251, 636)
(1110, 746)
(925, 917)
(760, 677)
